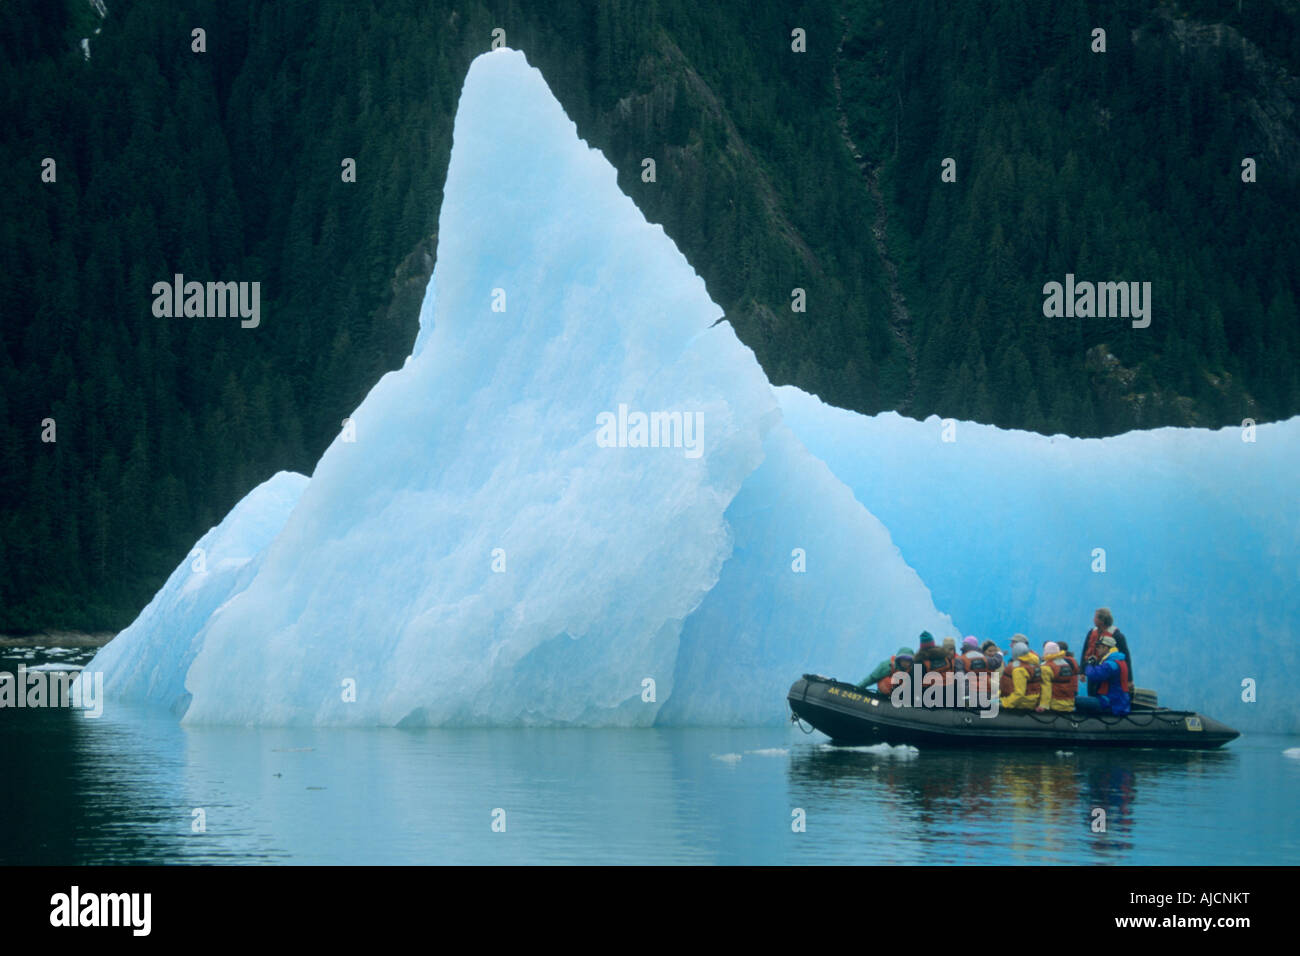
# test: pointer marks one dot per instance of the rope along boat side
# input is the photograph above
(852, 717)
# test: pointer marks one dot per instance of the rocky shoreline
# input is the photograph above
(57, 639)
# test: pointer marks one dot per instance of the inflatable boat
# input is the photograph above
(850, 717)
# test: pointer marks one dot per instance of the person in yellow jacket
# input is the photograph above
(1060, 673)
(1022, 684)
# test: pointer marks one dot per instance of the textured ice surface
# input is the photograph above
(148, 660)
(763, 624)
(477, 557)
(1201, 533)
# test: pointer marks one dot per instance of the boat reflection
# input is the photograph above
(1003, 807)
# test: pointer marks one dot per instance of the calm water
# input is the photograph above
(123, 788)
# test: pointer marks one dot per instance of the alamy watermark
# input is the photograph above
(75, 908)
(41, 688)
(181, 299)
(935, 690)
(683, 430)
(1101, 300)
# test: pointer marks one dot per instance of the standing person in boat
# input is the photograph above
(1060, 672)
(1022, 682)
(1103, 623)
(1108, 680)
(993, 654)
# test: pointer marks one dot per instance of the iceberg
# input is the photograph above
(558, 496)
(581, 502)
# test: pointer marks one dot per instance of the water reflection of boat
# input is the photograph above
(850, 716)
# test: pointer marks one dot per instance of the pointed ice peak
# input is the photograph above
(524, 521)
(511, 130)
(526, 198)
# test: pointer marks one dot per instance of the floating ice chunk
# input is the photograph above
(899, 751)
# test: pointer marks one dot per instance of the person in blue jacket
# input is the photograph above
(1108, 681)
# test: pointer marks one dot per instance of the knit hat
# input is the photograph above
(1051, 647)
(927, 639)
(1108, 641)
(950, 643)
(970, 642)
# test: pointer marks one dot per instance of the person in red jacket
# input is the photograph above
(1103, 624)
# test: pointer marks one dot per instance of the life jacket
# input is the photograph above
(950, 670)
(1103, 688)
(1033, 683)
(1092, 648)
(899, 664)
(1090, 644)
(976, 665)
(1065, 676)
(934, 663)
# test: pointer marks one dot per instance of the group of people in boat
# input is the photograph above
(1020, 678)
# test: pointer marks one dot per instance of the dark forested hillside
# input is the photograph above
(775, 170)
(1122, 165)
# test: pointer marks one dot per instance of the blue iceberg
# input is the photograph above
(581, 502)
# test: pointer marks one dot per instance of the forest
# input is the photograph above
(919, 170)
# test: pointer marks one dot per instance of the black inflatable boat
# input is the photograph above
(850, 717)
